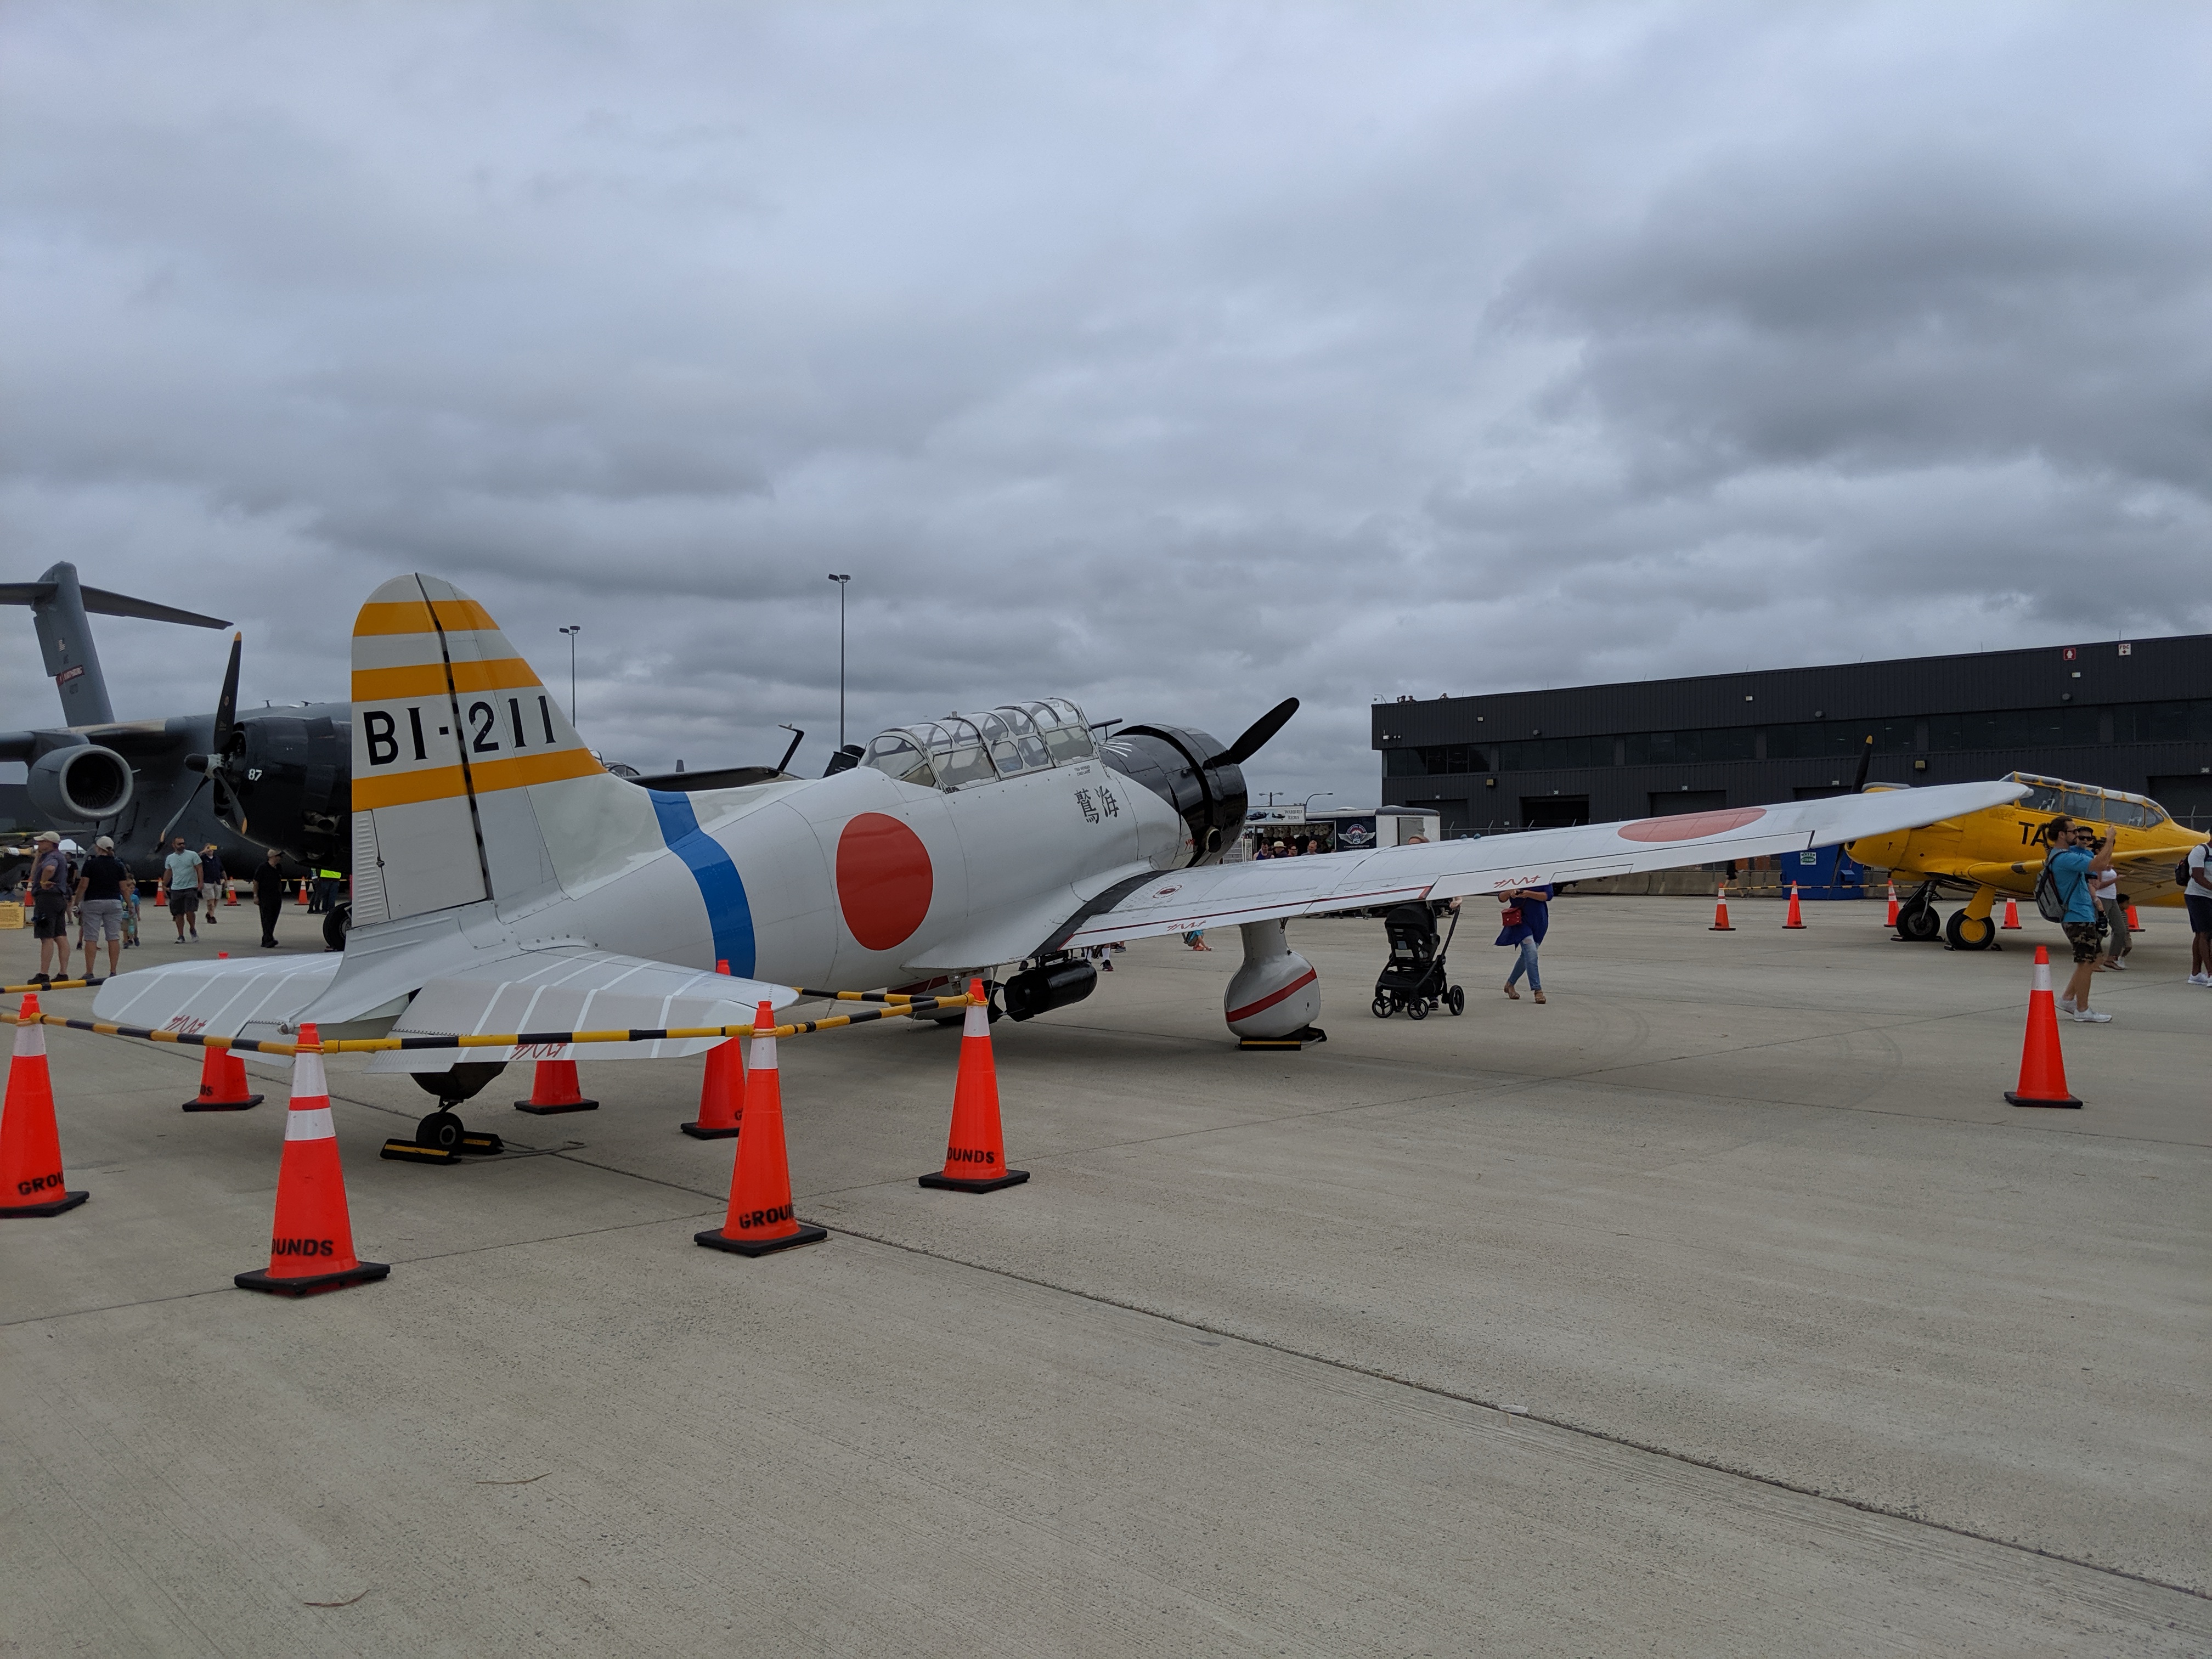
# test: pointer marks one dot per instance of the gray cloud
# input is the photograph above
(1173, 360)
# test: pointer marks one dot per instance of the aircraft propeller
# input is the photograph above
(1256, 734)
(220, 744)
(1866, 759)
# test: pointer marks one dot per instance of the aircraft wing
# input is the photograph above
(1214, 896)
(248, 997)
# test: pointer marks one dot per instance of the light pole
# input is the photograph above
(572, 632)
(840, 581)
(1306, 811)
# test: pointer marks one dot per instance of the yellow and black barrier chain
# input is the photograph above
(57, 985)
(513, 1040)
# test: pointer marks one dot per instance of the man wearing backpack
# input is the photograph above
(2073, 870)
(2196, 886)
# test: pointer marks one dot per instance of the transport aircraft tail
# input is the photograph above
(468, 781)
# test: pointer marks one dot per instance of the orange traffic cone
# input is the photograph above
(1892, 922)
(222, 1084)
(1796, 917)
(975, 1150)
(161, 895)
(1720, 923)
(2012, 916)
(760, 1217)
(230, 892)
(2042, 1066)
(722, 1090)
(303, 890)
(2135, 922)
(30, 1147)
(310, 1243)
(555, 1088)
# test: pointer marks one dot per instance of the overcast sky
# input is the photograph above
(1177, 359)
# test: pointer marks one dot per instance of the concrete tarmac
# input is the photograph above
(1720, 1306)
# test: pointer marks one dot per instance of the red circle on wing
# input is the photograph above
(1689, 826)
(883, 880)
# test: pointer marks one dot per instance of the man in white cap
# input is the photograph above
(100, 904)
(49, 902)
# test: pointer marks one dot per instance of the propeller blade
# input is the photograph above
(163, 840)
(226, 706)
(1256, 734)
(1866, 759)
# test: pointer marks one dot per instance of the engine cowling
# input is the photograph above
(1276, 994)
(1183, 767)
(291, 778)
(82, 784)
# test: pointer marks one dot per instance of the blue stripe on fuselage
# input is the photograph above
(720, 885)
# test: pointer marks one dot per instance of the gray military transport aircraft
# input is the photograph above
(504, 881)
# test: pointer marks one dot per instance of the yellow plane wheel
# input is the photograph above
(1965, 932)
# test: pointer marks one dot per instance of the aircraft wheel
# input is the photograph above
(1457, 999)
(1919, 923)
(1417, 1007)
(336, 924)
(1382, 1007)
(1963, 932)
(440, 1130)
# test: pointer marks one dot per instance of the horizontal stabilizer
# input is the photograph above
(101, 602)
(573, 989)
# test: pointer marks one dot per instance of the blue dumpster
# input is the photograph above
(1825, 873)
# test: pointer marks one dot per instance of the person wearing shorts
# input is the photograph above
(100, 904)
(49, 902)
(2198, 893)
(2074, 870)
(183, 869)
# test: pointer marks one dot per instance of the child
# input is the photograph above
(130, 913)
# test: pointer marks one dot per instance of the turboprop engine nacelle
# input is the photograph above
(81, 784)
(1276, 994)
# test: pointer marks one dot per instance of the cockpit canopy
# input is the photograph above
(2087, 801)
(960, 749)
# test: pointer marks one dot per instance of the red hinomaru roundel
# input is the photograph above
(883, 880)
(1689, 826)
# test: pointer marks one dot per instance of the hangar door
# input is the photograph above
(1554, 812)
(1672, 803)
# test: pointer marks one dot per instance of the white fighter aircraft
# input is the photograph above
(504, 882)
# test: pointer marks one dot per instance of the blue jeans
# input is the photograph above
(1525, 963)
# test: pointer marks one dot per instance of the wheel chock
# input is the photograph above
(406, 1151)
(480, 1146)
(1301, 1039)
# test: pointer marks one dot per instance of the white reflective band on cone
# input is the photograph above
(2042, 977)
(309, 1123)
(307, 1080)
(30, 1042)
(761, 1057)
(978, 1023)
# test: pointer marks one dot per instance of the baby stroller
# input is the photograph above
(1415, 978)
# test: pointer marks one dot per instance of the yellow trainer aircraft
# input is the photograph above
(2000, 849)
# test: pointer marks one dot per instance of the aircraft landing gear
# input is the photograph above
(442, 1138)
(1917, 921)
(335, 923)
(1964, 931)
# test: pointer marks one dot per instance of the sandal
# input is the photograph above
(1515, 994)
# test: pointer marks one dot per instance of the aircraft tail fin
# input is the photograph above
(458, 749)
(58, 605)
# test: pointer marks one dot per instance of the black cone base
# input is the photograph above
(52, 1206)
(961, 1184)
(361, 1272)
(701, 1131)
(714, 1240)
(548, 1111)
(224, 1105)
(2068, 1105)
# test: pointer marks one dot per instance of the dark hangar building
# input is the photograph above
(2123, 715)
